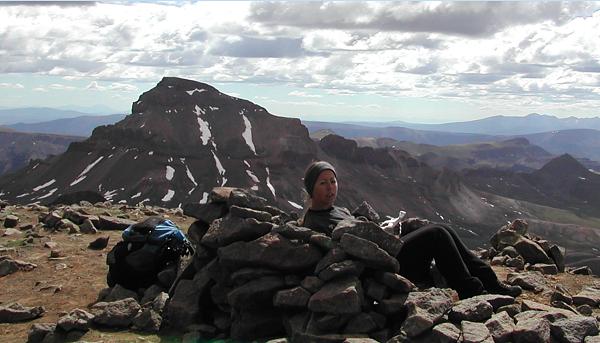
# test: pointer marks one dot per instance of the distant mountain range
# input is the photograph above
(78, 126)
(28, 115)
(500, 125)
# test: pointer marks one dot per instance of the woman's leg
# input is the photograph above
(434, 242)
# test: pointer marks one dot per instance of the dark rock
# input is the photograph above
(51, 219)
(106, 223)
(392, 305)
(312, 283)
(332, 256)
(376, 290)
(99, 243)
(197, 230)
(296, 297)
(506, 236)
(323, 242)
(243, 212)
(220, 194)
(574, 329)
(361, 323)
(425, 309)
(119, 292)
(148, 320)
(534, 330)
(557, 254)
(501, 327)
(184, 306)
(499, 260)
(395, 282)
(368, 231)
(150, 294)
(249, 325)
(244, 275)
(243, 198)
(16, 312)
(545, 268)
(559, 296)
(166, 277)
(11, 221)
(588, 295)
(78, 197)
(512, 310)
(159, 302)
(496, 300)
(585, 310)
(118, 313)
(88, 227)
(473, 310)
(76, 320)
(473, 332)
(205, 213)
(365, 210)
(229, 229)
(531, 251)
(255, 294)
(271, 251)
(343, 296)
(39, 331)
(9, 266)
(510, 251)
(369, 253)
(68, 226)
(340, 269)
(326, 323)
(292, 231)
(584, 270)
(517, 262)
(74, 216)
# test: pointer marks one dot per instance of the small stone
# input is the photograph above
(545, 268)
(99, 243)
(55, 254)
(585, 309)
(50, 245)
(473, 310)
(11, 221)
(16, 312)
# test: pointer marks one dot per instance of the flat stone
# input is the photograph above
(256, 294)
(545, 268)
(589, 296)
(271, 251)
(16, 312)
(343, 296)
(244, 212)
(473, 310)
(243, 198)
(150, 294)
(574, 329)
(501, 327)
(474, 332)
(230, 229)
(361, 323)
(528, 305)
(77, 319)
(369, 253)
(113, 223)
(118, 313)
(367, 211)
(9, 266)
(296, 297)
(376, 290)
(369, 231)
(321, 241)
(293, 231)
(531, 251)
(512, 309)
(496, 300)
(340, 269)
(332, 256)
(88, 227)
(531, 280)
(205, 213)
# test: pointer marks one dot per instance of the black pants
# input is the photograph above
(464, 271)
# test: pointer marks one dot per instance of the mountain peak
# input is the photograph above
(564, 165)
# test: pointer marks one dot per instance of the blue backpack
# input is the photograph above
(147, 248)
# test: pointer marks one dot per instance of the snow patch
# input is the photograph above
(36, 165)
(78, 180)
(218, 164)
(169, 173)
(204, 198)
(247, 164)
(108, 195)
(195, 90)
(44, 185)
(190, 176)
(83, 175)
(170, 159)
(269, 183)
(213, 108)
(21, 195)
(252, 176)
(168, 196)
(205, 134)
(150, 153)
(49, 194)
(295, 205)
(254, 188)
(582, 178)
(247, 134)
(136, 195)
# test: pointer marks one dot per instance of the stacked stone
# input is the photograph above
(513, 247)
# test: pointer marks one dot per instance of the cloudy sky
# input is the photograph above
(418, 62)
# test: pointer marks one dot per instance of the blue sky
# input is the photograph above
(345, 61)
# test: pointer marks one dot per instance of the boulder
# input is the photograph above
(39, 331)
(361, 323)
(16, 312)
(365, 210)
(244, 212)
(425, 309)
(88, 227)
(150, 294)
(296, 297)
(534, 330)
(271, 251)
(205, 213)
(501, 327)
(545, 268)
(9, 266)
(589, 296)
(77, 319)
(99, 243)
(369, 253)
(532, 281)
(531, 251)
(118, 314)
(11, 221)
(574, 329)
(106, 223)
(343, 268)
(473, 310)
(255, 294)
(229, 229)
(368, 231)
(343, 296)
(557, 254)
(243, 198)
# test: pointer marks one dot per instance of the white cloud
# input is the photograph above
(11, 85)
(304, 94)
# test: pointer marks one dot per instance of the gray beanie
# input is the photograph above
(312, 174)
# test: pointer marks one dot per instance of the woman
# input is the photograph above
(464, 271)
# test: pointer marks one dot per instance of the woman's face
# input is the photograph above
(325, 191)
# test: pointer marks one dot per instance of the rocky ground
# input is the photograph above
(48, 263)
